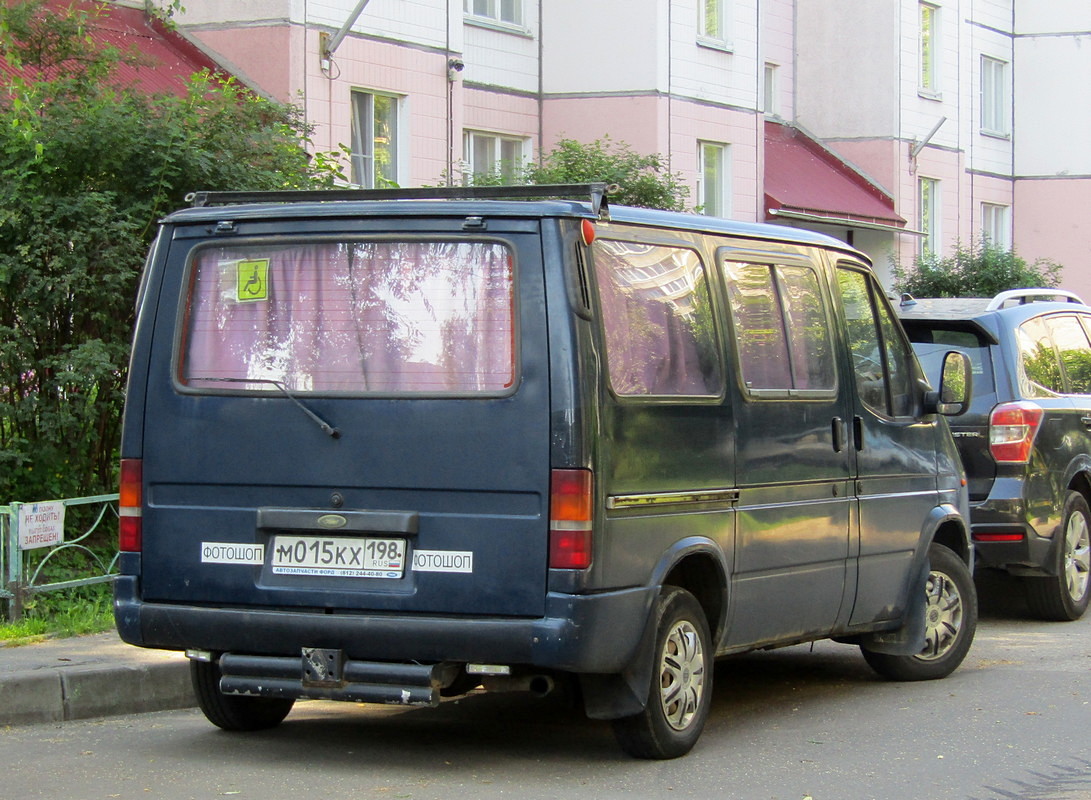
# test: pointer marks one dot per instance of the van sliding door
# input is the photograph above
(792, 534)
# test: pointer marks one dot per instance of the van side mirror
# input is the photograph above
(955, 387)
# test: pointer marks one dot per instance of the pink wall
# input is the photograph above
(639, 121)
(1051, 222)
(262, 56)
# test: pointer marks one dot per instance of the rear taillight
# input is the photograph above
(130, 505)
(570, 505)
(1012, 428)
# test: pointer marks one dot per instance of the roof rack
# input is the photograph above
(595, 192)
(1027, 295)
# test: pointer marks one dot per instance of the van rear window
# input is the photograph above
(385, 317)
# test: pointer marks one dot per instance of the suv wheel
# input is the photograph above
(950, 619)
(1063, 597)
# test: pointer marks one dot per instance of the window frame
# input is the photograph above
(494, 13)
(928, 212)
(363, 151)
(769, 89)
(996, 225)
(994, 97)
(471, 136)
(928, 50)
(720, 194)
(717, 10)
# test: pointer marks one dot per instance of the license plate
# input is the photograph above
(339, 557)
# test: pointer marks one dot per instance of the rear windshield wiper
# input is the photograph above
(328, 429)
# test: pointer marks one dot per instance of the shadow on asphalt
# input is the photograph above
(1001, 596)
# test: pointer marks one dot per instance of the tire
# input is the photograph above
(1063, 597)
(950, 621)
(680, 689)
(230, 712)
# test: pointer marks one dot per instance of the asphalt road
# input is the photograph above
(1014, 723)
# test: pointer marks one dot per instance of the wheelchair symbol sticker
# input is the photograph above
(252, 280)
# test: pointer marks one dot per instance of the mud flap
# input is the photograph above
(907, 640)
(623, 694)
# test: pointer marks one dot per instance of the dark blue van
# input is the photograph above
(390, 447)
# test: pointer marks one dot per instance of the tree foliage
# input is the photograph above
(87, 166)
(979, 270)
(642, 180)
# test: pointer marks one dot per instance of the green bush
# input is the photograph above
(980, 270)
(642, 180)
(87, 166)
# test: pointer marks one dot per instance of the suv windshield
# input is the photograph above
(387, 317)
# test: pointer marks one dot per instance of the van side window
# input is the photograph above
(390, 317)
(1075, 353)
(1040, 367)
(782, 328)
(657, 319)
(880, 354)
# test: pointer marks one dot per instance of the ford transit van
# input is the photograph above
(390, 447)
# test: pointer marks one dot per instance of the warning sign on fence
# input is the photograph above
(41, 525)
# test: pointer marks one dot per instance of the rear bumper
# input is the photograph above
(1004, 537)
(596, 633)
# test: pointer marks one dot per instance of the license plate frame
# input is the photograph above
(338, 556)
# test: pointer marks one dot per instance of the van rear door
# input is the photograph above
(349, 421)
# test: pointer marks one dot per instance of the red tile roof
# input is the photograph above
(803, 177)
(167, 59)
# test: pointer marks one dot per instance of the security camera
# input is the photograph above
(457, 64)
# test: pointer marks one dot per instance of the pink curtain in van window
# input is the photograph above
(387, 317)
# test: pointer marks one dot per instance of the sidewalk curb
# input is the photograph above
(94, 691)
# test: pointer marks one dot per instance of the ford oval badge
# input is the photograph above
(331, 521)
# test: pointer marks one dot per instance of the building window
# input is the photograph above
(488, 154)
(712, 21)
(506, 11)
(770, 90)
(374, 140)
(929, 49)
(713, 181)
(928, 192)
(994, 96)
(996, 225)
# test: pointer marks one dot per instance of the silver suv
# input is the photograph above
(1026, 439)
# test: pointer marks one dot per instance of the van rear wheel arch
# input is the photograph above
(703, 575)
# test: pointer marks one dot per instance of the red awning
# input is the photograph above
(167, 59)
(804, 180)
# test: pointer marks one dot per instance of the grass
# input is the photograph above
(66, 612)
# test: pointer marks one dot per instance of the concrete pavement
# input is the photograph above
(89, 676)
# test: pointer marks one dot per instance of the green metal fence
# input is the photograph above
(23, 560)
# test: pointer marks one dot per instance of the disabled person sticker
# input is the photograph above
(252, 280)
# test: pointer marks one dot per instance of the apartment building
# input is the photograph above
(898, 125)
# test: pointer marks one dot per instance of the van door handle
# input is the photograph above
(838, 434)
(858, 432)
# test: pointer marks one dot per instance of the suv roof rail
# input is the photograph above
(595, 192)
(1026, 295)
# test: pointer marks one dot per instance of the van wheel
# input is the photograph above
(1063, 597)
(680, 690)
(230, 712)
(950, 621)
